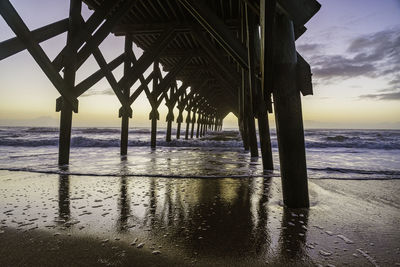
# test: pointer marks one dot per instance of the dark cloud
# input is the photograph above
(305, 48)
(373, 55)
(107, 91)
(384, 96)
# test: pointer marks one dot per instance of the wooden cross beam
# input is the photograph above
(14, 45)
(95, 40)
(215, 56)
(147, 58)
(218, 30)
(110, 77)
(156, 28)
(86, 84)
(91, 25)
(15, 22)
(300, 11)
(171, 76)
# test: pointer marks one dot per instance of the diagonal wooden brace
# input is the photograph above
(15, 22)
(14, 45)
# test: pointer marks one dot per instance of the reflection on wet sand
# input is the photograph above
(63, 196)
(196, 219)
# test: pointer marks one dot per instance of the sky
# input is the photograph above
(353, 47)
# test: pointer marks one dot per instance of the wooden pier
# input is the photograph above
(234, 56)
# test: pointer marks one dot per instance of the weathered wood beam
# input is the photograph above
(126, 111)
(171, 76)
(143, 86)
(86, 84)
(15, 22)
(267, 23)
(218, 30)
(91, 25)
(288, 117)
(110, 77)
(249, 81)
(215, 56)
(69, 77)
(95, 40)
(299, 11)
(147, 58)
(14, 45)
(157, 28)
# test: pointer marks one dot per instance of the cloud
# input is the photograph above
(107, 91)
(383, 96)
(305, 48)
(372, 55)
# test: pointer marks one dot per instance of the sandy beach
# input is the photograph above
(65, 220)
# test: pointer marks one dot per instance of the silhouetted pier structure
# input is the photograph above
(234, 56)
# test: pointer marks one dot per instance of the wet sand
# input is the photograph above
(65, 220)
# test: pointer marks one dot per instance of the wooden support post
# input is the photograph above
(126, 93)
(199, 119)
(252, 95)
(170, 119)
(188, 120)
(69, 77)
(193, 122)
(179, 121)
(154, 119)
(289, 121)
(264, 134)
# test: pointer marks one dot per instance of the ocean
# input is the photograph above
(200, 202)
(331, 154)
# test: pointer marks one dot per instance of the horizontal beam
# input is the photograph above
(218, 30)
(157, 28)
(14, 45)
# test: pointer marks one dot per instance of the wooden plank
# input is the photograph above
(218, 30)
(15, 22)
(14, 45)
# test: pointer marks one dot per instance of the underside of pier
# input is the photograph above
(234, 56)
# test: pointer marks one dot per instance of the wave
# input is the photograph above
(391, 173)
(157, 175)
(175, 176)
(81, 141)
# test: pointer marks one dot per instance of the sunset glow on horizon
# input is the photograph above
(353, 48)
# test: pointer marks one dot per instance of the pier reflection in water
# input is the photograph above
(202, 219)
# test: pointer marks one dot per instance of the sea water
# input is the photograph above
(204, 199)
(331, 154)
